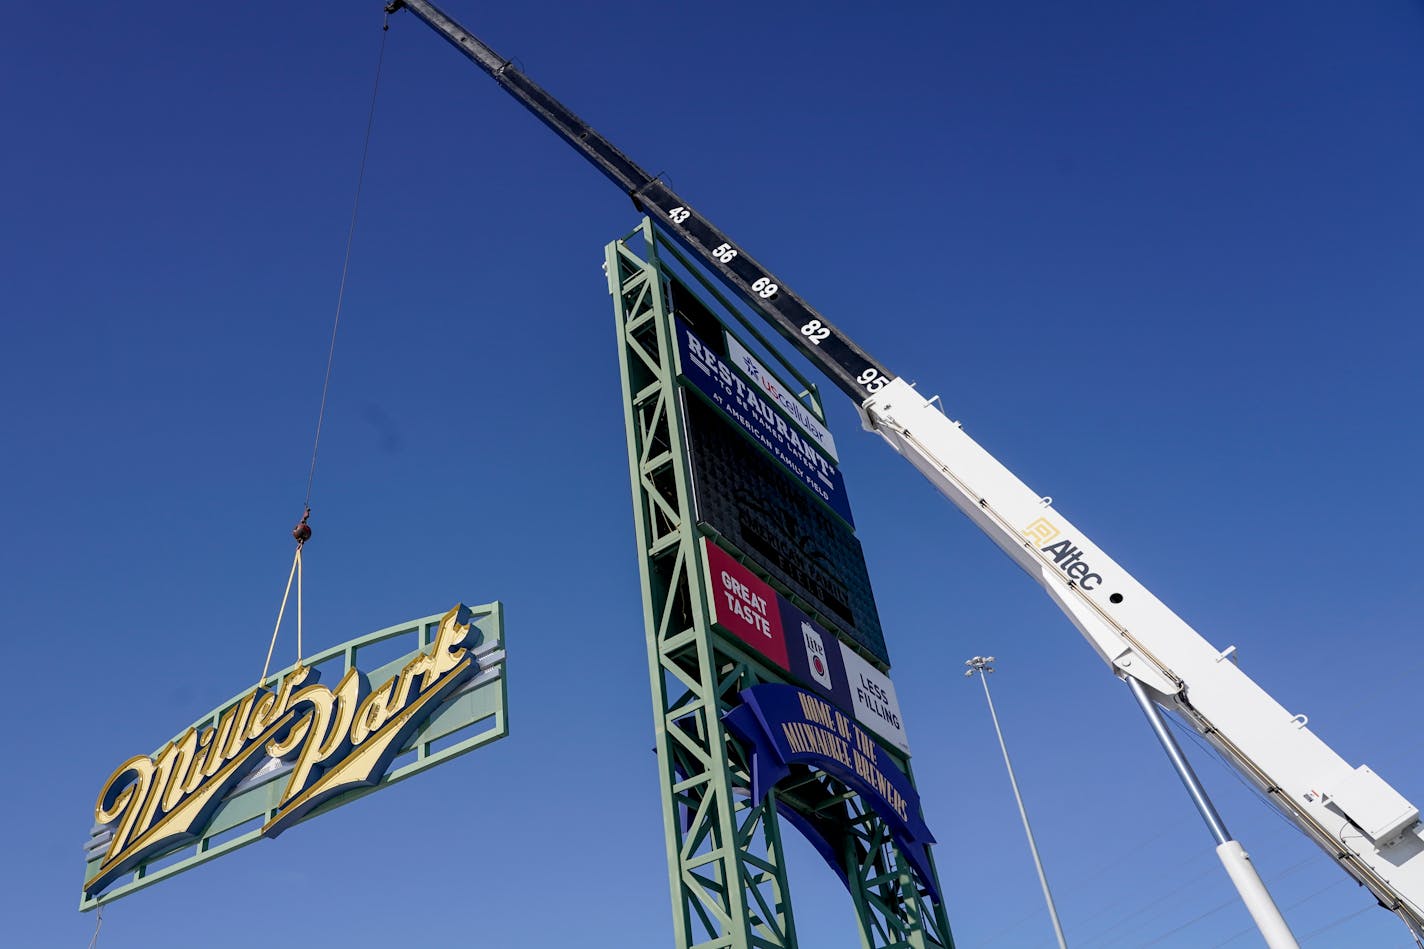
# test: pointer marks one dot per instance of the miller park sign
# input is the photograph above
(290, 748)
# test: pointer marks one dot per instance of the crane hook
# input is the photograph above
(302, 532)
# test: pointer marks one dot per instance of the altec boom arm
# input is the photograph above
(1351, 813)
(1355, 817)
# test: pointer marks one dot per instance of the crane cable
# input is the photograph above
(302, 532)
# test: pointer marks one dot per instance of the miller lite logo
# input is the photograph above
(816, 655)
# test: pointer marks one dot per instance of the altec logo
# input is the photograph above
(1065, 553)
(1041, 531)
(1070, 560)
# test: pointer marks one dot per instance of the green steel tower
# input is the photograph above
(726, 864)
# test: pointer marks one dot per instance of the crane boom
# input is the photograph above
(1361, 822)
(845, 363)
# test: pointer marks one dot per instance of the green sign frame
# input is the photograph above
(217, 786)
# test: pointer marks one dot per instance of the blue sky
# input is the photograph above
(1162, 260)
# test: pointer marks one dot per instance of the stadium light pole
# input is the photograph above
(982, 665)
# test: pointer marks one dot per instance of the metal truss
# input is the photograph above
(726, 865)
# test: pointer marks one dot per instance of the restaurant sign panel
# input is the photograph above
(749, 407)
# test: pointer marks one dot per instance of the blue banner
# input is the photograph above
(782, 725)
(765, 424)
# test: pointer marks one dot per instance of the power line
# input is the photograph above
(1278, 877)
(1185, 884)
(1331, 925)
(1211, 868)
(1092, 873)
(1192, 922)
(1275, 879)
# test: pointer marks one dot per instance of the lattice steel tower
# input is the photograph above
(726, 862)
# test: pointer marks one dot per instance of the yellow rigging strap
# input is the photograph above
(302, 533)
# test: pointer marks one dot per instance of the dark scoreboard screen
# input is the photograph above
(752, 501)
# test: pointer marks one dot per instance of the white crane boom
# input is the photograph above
(1350, 812)
(1361, 822)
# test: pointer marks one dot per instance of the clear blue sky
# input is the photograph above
(1162, 259)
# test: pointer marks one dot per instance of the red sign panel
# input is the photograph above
(745, 606)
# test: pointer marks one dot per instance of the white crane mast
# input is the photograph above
(1361, 822)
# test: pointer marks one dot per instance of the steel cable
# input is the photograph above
(346, 261)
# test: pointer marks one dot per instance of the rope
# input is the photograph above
(280, 610)
(299, 603)
(346, 263)
(98, 921)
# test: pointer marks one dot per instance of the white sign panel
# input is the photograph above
(873, 699)
(772, 388)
